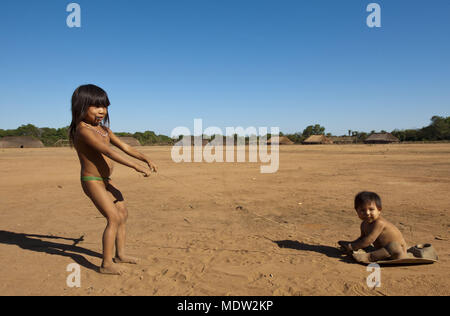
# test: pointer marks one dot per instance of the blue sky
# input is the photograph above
(284, 63)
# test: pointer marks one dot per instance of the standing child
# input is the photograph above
(90, 135)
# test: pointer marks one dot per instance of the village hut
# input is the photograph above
(282, 140)
(228, 140)
(200, 140)
(191, 140)
(343, 139)
(185, 141)
(225, 140)
(381, 138)
(317, 140)
(62, 143)
(130, 141)
(20, 142)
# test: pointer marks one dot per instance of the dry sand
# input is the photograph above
(225, 229)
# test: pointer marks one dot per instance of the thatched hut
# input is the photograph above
(62, 143)
(343, 139)
(20, 142)
(225, 140)
(130, 141)
(191, 140)
(282, 140)
(317, 140)
(200, 140)
(229, 140)
(381, 138)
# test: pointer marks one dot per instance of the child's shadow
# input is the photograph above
(331, 252)
(31, 242)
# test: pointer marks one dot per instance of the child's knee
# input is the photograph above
(123, 218)
(123, 213)
(395, 250)
(114, 219)
(379, 254)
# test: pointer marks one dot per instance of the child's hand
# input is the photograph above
(152, 166)
(144, 171)
(346, 246)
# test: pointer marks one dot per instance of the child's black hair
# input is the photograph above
(83, 97)
(366, 197)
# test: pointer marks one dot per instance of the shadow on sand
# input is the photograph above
(331, 252)
(33, 243)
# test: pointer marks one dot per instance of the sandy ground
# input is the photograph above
(225, 228)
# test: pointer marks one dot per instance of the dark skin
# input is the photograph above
(92, 142)
(377, 231)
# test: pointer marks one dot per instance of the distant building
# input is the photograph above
(282, 140)
(191, 140)
(343, 139)
(20, 142)
(130, 141)
(381, 138)
(317, 140)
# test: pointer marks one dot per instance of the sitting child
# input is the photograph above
(385, 237)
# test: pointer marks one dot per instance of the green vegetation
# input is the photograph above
(148, 138)
(438, 130)
(298, 138)
(48, 136)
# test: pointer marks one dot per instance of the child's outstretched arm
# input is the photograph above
(131, 151)
(87, 136)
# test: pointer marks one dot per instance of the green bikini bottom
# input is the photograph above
(94, 179)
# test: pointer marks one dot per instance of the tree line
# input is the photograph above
(437, 130)
(51, 136)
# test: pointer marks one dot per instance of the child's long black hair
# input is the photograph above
(83, 97)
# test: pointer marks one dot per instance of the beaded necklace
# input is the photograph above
(96, 130)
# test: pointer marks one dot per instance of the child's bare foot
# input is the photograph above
(126, 259)
(110, 269)
(361, 257)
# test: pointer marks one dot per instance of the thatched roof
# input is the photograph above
(62, 143)
(20, 142)
(130, 141)
(381, 138)
(283, 140)
(317, 139)
(190, 140)
(225, 140)
(228, 139)
(343, 139)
